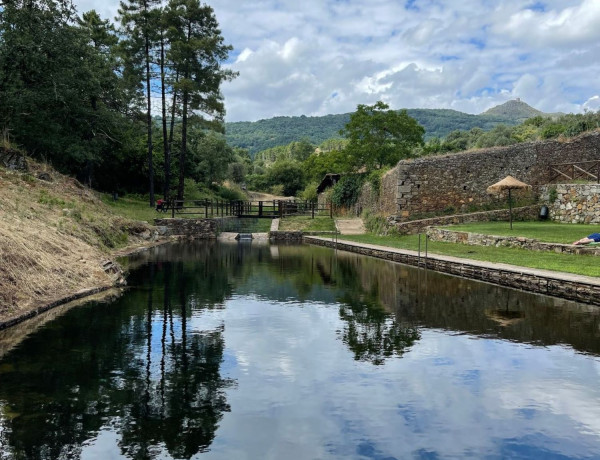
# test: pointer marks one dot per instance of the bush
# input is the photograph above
(552, 130)
(310, 192)
(377, 224)
(346, 191)
(374, 178)
(290, 174)
(230, 194)
(277, 190)
(257, 182)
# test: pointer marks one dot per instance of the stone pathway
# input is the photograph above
(350, 226)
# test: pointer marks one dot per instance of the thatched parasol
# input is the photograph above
(508, 183)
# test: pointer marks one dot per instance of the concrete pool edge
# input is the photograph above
(569, 286)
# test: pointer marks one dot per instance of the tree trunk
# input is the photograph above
(172, 127)
(149, 121)
(166, 146)
(182, 152)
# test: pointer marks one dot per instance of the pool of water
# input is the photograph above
(243, 351)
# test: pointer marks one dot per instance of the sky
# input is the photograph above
(319, 57)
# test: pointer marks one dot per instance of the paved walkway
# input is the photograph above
(350, 226)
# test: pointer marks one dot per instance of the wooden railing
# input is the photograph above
(584, 170)
(248, 209)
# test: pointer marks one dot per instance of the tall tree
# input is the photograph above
(139, 19)
(58, 88)
(197, 51)
(380, 137)
(163, 25)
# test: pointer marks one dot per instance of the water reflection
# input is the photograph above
(132, 367)
(255, 341)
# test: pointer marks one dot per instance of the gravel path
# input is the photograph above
(350, 226)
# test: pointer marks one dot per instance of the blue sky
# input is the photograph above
(318, 57)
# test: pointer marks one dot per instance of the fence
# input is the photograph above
(584, 170)
(252, 209)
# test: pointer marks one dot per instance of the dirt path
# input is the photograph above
(259, 196)
(350, 226)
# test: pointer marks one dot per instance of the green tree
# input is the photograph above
(301, 150)
(380, 137)
(321, 163)
(209, 157)
(290, 174)
(140, 19)
(60, 90)
(197, 50)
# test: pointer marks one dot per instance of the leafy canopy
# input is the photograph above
(379, 137)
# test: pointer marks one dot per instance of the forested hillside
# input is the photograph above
(264, 134)
(79, 91)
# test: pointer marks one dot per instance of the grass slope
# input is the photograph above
(54, 237)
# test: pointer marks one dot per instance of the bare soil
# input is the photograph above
(350, 226)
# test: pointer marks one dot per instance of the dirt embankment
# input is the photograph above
(57, 240)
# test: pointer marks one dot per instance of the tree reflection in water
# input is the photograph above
(373, 334)
(142, 369)
(142, 374)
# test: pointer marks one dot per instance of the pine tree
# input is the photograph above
(197, 50)
(139, 19)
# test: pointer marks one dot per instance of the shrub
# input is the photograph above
(346, 191)
(290, 174)
(552, 130)
(374, 178)
(277, 189)
(310, 192)
(378, 224)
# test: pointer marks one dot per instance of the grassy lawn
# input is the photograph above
(306, 224)
(579, 264)
(551, 232)
(133, 207)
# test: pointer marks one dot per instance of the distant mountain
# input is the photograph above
(515, 110)
(263, 134)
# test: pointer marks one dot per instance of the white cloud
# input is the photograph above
(324, 56)
(593, 103)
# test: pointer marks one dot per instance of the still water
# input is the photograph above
(227, 351)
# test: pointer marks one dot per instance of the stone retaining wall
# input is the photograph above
(547, 285)
(459, 181)
(189, 228)
(279, 236)
(419, 226)
(574, 203)
(477, 239)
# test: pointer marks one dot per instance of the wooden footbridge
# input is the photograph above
(243, 209)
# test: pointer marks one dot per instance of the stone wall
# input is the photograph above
(572, 288)
(477, 239)
(289, 237)
(413, 227)
(458, 181)
(381, 202)
(189, 228)
(574, 203)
